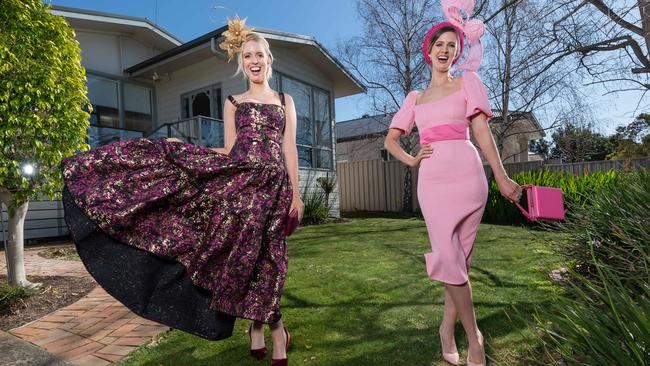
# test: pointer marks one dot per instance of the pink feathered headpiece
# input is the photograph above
(473, 30)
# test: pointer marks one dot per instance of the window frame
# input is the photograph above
(314, 148)
(216, 91)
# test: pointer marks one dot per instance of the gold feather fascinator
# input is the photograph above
(235, 36)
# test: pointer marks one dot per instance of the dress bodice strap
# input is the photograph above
(233, 101)
(282, 98)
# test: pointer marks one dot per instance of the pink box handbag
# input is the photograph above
(544, 203)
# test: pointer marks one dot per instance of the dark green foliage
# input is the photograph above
(10, 294)
(603, 317)
(316, 211)
(577, 191)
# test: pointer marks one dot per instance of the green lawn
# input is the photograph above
(357, 294)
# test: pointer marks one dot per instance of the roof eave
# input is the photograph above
(143, 66)
(115, 18)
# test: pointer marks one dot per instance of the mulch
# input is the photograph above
(55, 293)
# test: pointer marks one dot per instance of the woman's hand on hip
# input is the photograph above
(509, 189)
(424, 153)
(296, 204)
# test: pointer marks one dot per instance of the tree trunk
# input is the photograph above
(14, 244)
(507, 80)
(407, 204)
(644, 11)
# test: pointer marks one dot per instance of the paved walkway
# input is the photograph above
(16, 352)
(96, 330)
(35, 265)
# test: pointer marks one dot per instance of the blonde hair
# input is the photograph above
(265, 44)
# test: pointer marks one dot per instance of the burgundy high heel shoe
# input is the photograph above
(259, 353)
(283, 361)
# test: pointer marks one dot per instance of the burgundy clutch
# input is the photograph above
(292, 223)
(544, 203)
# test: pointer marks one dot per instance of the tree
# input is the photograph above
(43, 112)
(611, 40)
(388, 59)
(541, 147)
(632, 140)
(519, 71)
(575, 143)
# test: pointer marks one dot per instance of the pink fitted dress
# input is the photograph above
(452, 188)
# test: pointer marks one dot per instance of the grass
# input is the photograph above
(357, 294)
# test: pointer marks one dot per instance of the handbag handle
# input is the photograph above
(526, 213)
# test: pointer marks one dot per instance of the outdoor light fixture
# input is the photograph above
(28, 169)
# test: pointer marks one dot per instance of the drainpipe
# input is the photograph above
(216, 50)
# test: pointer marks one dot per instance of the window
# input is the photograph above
(137, 108)
(314, 122)
(103, 95)
(202, 102)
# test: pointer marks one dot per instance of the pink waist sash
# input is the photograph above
(456, 131)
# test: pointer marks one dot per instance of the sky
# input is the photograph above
(329, 21)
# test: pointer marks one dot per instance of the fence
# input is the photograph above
(577, 168)
(376, 185)
(373, 185)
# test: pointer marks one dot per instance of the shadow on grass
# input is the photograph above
(404, 345)
(357, 294)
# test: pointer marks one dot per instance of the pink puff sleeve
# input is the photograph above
(477, 98)
(404, 119)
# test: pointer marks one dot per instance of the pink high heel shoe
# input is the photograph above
(484, 363)
(452, 358)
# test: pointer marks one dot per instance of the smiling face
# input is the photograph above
(443, 50)
(255, 60)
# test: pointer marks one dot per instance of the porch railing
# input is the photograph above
(102, 135)
(199, 130)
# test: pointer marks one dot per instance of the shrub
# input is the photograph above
(603, 317)
(577, 191)
(613, 229)
(327, 184)
(10, 294)
(600, 321)
(316, 211)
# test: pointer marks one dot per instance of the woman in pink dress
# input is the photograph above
(452, 187)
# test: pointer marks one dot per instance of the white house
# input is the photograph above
(144, 81)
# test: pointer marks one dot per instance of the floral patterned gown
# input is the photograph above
(183, 235)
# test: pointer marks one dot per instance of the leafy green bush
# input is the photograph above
(613, 228)
(9, 294)
(603, 317)
(600, 321)
(577, 191)
(327, 184)
(316, 211)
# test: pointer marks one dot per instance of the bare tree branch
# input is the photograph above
(600, 5)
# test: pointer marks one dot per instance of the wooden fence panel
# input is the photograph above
(376, 185)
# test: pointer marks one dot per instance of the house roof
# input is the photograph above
(527, 116)
(371, 126)
(138, 28)
(364, 127)
(344, 82)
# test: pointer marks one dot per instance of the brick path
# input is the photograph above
(35, 265)
(96, 330)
